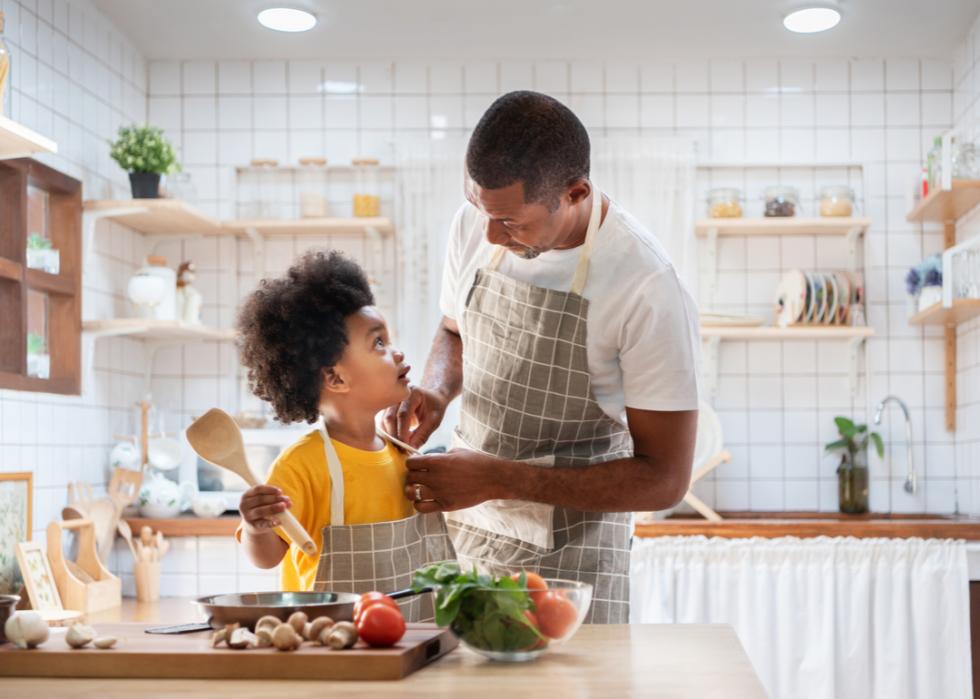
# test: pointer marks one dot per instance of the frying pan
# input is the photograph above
(246, 608)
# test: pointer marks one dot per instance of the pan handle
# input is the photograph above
(402, 594)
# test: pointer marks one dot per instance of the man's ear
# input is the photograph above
(334, 380)
(579, 190)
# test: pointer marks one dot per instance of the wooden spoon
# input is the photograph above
(126, 532)
(216, 438)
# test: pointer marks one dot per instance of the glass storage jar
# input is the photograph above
(836, 200)
(312, 181)
(965, 164)
(367, 187)
(781, 201)
(724, 202)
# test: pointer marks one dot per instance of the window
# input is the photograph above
(40, 278)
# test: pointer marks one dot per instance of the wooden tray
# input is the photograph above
(190, 656)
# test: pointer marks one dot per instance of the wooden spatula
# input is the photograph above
(216, 438)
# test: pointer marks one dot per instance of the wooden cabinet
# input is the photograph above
(40, 298)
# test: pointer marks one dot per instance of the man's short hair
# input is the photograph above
(531, 138)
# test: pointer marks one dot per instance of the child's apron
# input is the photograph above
(381, 556)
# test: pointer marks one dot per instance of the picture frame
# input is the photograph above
(38, 578)
(16, 524)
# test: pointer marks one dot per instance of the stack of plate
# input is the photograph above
(819, 298)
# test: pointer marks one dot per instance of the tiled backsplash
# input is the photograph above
(76, 78)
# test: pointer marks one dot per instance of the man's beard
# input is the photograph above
(527, 253)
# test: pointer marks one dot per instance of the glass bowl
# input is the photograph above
(551, 617)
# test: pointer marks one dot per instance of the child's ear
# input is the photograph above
(334, 380)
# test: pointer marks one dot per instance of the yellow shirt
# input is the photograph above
(374, 491)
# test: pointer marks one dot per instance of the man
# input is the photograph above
(573, 345)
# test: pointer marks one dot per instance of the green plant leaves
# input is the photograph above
(144, 149)
(879, 445)
(486, 612)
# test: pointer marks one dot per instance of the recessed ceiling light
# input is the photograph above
(287, 19)
(812, 20)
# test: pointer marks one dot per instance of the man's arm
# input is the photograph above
(656, 477)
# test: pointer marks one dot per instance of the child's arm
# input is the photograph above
(260, 507)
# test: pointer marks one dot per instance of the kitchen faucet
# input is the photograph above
(910, 478)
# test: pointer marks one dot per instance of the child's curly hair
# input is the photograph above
(292, 328)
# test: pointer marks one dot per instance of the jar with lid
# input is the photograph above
(781, 201)
(724, 202)
(367, 187)
(266, 203)
(965, 165)
(312, 186)
(836, 200)
(180, 186)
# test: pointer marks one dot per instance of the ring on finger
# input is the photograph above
(418, 492)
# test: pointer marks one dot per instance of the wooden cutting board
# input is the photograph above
(190, 656)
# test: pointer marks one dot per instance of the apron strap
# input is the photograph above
(336, 473)
(582, 269)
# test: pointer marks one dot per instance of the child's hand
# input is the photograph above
(260, 507)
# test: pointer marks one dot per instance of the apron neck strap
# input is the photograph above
(582, 269)
(336, 473)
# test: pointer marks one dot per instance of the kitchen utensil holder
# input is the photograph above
(103, 590)
(147, 577)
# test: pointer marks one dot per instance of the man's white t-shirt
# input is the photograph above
(643, 341)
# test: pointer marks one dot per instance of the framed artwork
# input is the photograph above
(16, 499)
(38, 579)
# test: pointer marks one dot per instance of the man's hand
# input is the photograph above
(452, 481)
(417, 417)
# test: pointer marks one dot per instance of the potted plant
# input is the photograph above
(41, 256)
(38, 359)
(145, 154)
(852, 474)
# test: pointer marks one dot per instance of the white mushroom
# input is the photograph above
(79, 635)
(104, 642)
(241, 639)
(26, 629)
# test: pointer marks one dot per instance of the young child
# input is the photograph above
(315, 346)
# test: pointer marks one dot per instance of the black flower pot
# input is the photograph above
(145, 185)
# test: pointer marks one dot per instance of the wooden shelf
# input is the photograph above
(789, 225)
(800, 332)
(156, 216)
(961, 311)
(188, 525)
(17, 141)
(310, 226)
(175, 217)
(946, 205)
(149, 329)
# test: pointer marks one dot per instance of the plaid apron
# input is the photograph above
(527, 396)
(379, 556)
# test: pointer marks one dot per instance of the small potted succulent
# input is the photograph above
(38, 359)
(924, 283)
(852, 473)
(40, 254)
(145, 154)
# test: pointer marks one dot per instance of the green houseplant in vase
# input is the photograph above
(852, 473)
(145, 154)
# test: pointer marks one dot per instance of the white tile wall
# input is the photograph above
(874, 112)
(966, 109)
(77, 78)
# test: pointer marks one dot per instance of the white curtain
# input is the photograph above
(429, 191)
(822, 618)
(653, 179)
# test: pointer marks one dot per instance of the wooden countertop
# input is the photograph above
(686, 660)
(771, 525)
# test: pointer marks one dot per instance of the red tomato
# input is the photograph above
(556, 615)
(535, 583)
(533, 620)
(369, 599)
(380, 625)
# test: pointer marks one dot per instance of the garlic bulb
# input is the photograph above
(26, 629)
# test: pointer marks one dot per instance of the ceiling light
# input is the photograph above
(811, 20)
(287, 19)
